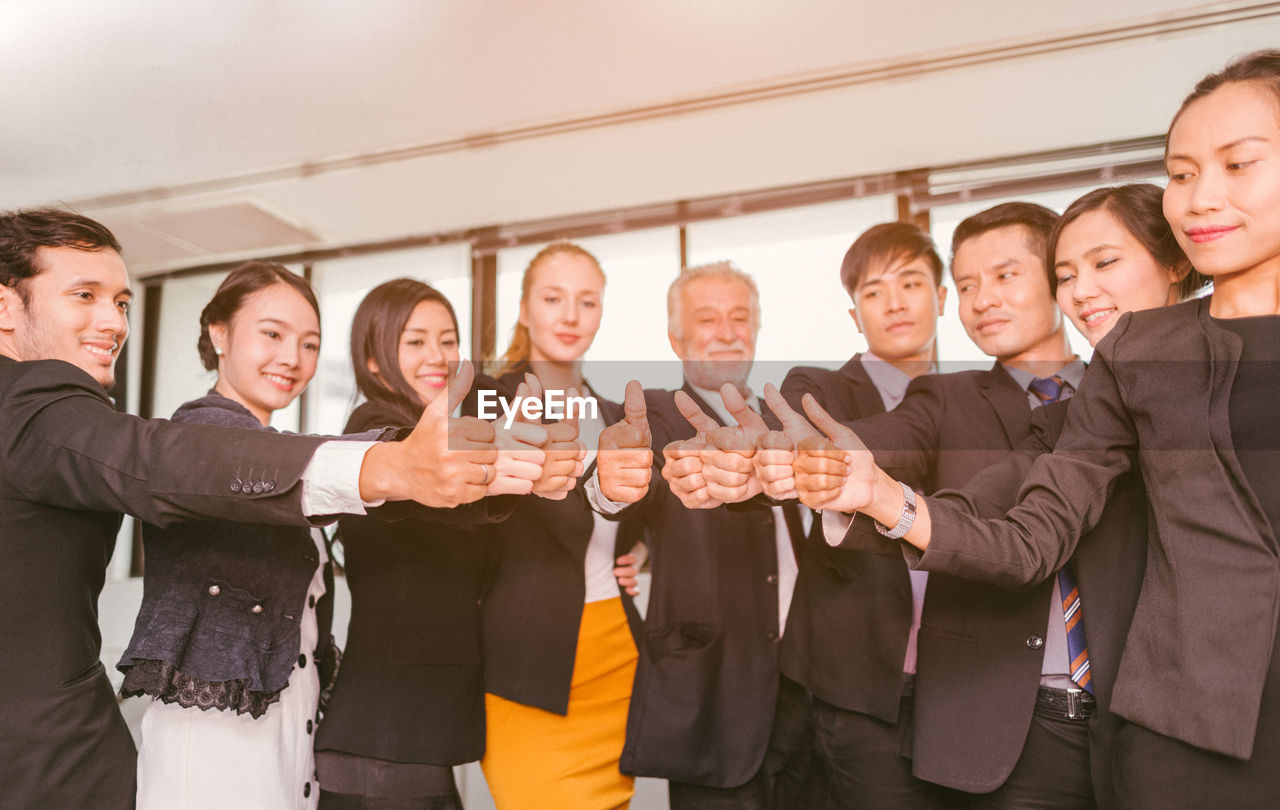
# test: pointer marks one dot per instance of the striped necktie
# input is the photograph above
(1076, 648)
(1047, 390)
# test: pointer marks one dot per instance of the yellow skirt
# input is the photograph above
(535, 758)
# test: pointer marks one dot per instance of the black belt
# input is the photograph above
(1065, 704)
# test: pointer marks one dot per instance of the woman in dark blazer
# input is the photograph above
(409, 700)
(1186, 395)
(232, 640)
(559, 650)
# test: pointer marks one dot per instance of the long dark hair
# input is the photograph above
(239, 284)
(1139, 208)
(375, 335)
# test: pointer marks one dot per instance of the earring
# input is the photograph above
(217, 350)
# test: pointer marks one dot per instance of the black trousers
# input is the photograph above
(1053, 771)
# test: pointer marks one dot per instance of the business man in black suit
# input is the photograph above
(707, 679)
(992, 664)
(850, 646)
(70, 464)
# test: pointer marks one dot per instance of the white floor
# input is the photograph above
(119, 606)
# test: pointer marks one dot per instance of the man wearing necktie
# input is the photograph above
(998, 715)
(707, 680)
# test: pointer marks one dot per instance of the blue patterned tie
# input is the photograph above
(1071, 613)
(1047, 390)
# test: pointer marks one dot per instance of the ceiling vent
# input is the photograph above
(169, 239)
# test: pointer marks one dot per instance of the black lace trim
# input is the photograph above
(163, 681)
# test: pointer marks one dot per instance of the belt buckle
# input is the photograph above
(1075, 704)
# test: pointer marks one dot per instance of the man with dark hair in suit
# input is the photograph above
(849, 655)
(707, 678)
(997, 713)
(70, 464)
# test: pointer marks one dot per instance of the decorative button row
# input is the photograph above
(252, 487)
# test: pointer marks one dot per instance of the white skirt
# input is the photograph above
(191, 759)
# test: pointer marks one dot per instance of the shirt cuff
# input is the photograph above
(835, 525)
(598, 500)
(331, 481)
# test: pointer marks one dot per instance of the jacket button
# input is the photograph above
(1035, 642)
(306, 790)
(773, 635)
(268, 486)
(309, 726)
(302, 660)
(258, 487)
(256, 609)
(772, 579)
(236, 485)
(214, 590)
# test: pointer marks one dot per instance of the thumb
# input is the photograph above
(458, 388)
(534, 384)
(571, 414)
(740, 410)
(522, 394)
(793, 424)
(825, 421)
(694, 415)
(637, 413)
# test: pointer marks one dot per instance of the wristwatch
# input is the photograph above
(905, 519)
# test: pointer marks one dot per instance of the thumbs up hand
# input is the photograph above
(835, 470)
(727, 460)
(682, 467)
(776, 449)
(625, 461)
(520, 458)
(444, 462)
(563, 465)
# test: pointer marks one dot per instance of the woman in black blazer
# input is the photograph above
(409, 699)
(1185, 394)
(559, 654)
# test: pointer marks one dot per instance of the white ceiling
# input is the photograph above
(105, 98)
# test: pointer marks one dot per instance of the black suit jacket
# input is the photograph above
(981, 647)
(850, 616)
(411, 685)
(1109, 563)
(1200, 645)
(533, 605)
(707, 680)
(69, 466)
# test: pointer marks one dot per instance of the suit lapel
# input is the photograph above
(1009, 402)
(865, 394)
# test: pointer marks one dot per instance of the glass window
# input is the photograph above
(794, 255)
(341, 284)
(638, 266)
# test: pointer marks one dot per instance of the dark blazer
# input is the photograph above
(69, 466)
(980, 647)
(533, 605)
(1199, 649)
(707, 680)
(411, 686)
(1108, 562)
(850, 617)
(249, 634)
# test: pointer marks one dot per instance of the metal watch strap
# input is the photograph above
(905, 519)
